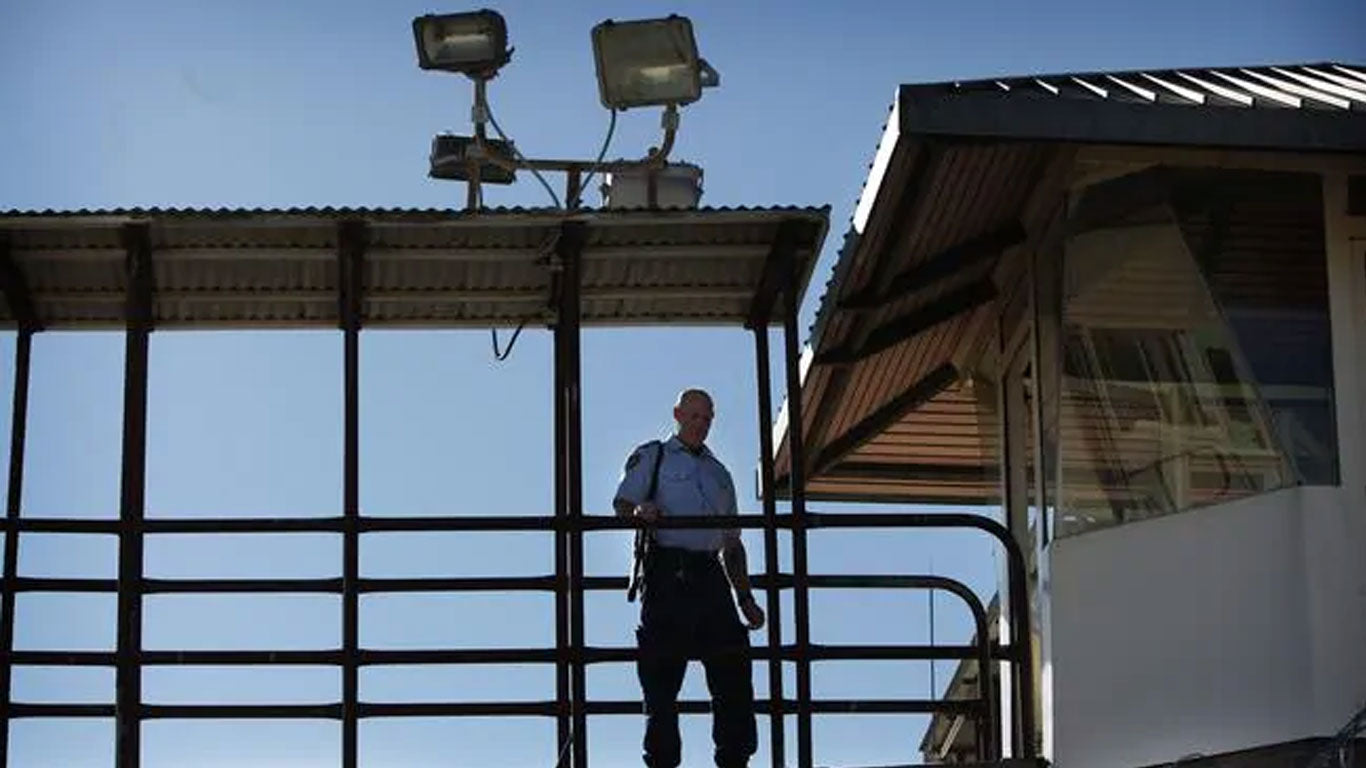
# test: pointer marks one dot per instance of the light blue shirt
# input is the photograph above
(689, 485)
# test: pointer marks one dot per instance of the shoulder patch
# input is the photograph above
(634, 458)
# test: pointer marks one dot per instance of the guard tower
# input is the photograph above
(1127, 310)
(147, 272)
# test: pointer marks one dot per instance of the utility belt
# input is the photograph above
(650, 557)
(677, 558)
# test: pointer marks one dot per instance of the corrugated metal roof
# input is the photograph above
(928, 194)
(1311, 86)
(1306, 107)
(422, 267)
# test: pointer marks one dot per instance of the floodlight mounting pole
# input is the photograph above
(654, 160)
(479, 115)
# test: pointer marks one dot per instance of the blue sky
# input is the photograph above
(310, 103)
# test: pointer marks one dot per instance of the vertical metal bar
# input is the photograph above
(1023, 644)
(773, 594)
(351, 243)
(18, 430)
(797, 457)
(563, 723)
(567, 338)
(128, 676)
(986, 720)
(573, 188)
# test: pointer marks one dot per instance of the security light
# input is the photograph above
(649, 63)
(473, 43)
(451, 156)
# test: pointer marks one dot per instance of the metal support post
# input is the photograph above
(18, 429)
(773, 593)
(351, 243)
(797, 457)
(128, 675)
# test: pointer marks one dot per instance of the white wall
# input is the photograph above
(1183, 634)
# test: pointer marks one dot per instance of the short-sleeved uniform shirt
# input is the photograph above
(689, 485)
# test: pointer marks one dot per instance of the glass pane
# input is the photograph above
(1259, 240)
(1161, 407)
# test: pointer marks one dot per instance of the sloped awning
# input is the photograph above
(966, 172)
(257, 268)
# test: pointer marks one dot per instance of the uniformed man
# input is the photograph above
(686, 610)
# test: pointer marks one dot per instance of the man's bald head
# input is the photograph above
(693, 414)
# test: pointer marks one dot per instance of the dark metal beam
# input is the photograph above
(352, 240)
(796, 449)
(137, 241)
(821, 706)
(895, 331)
(764, 384)
(879, 421)
(15, 289)
(771, 280)
(957, 259)
(569, 490)
(18, 430)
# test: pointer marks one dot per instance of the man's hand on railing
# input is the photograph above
(646, 512)
(754, 615)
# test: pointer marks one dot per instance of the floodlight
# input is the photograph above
(473, 43)
(451, 156)
(649, 63)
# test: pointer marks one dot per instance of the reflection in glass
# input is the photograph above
(1177, 326)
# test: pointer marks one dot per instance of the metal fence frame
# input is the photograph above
(570, 655)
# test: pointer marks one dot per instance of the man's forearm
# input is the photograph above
(737, 568)
(623, 507)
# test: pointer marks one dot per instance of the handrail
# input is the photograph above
(983, 651)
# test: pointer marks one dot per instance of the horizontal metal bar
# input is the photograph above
(204, 586)
(541, 523)
(431, 584)
(462, 709)
(460, 584)
(459, 656)
(246, 525)
(614, 523)
(17, 710)
(592, 655)
(875, 581)
(242, 711)
(824, 706)
(62, 658)
(533, 294)
(917, 706)
(242, 658)
(371, 524)
(333, 711)
(909, 652)
(590, 253)
(35, 584)
(59, 525)
(182, 525)
(182, 586)
(888, 652)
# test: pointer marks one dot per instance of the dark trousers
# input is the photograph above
(686, 613)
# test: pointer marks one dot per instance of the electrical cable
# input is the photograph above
(597, 164)
(501, 356)
(518, 154)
